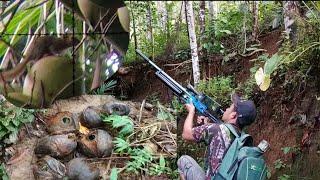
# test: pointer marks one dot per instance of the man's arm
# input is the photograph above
(188, 123)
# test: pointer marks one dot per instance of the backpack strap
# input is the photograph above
(242, 138)
(232, 129)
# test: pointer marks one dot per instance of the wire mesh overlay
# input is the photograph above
(46, 9)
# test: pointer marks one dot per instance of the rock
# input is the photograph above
(80, 169)
(116, 108)
(56, 145)
(97, 143)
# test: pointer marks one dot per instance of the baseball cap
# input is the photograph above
(246, 110)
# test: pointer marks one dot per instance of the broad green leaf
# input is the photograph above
(272, 63)
(286, 150)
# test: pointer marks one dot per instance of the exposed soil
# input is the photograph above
(277, 108)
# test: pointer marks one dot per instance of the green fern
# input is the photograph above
(123, 122)
(105, 87)
(121, 146)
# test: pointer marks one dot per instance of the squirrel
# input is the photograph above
(40, 47)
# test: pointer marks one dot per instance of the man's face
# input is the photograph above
(230, 114)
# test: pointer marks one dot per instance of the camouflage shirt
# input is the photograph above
(218, 137)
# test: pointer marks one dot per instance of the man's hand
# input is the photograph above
(190, 108)
(202, 120)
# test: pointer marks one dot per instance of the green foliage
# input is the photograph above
(163, 113)
(105, 87)
(183, 54)
(114, 174)
(176, 105)
(3, 173)
(272, 63)
(121, 145)
(279, 164)
(219, 88)
(270, 14)
(287, 150)
(284, 177)
(247, 87)
(160, 168)
(11, 119)
(139, 159)
(123, 122)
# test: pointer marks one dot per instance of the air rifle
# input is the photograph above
(203, 104)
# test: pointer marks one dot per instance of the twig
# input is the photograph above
(109, 163)
(106, 28)
(39, 4)
(252, 53)
(174, 141)
(11, 17)
(94, 29)
(178, 65)
(11, 47)
(108, 158)
(140, 113)
(162, 147)
(27, 129)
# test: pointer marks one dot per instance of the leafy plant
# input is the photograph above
(179, 107)
(278, 164)
(121, 145)
(3, 173)
(262, 76)
(11, 120)
(287, 150)
(284, 177)
(140, 158)
(123, 122)
(160, 168)
(105, 87)
(163, 114)
(219, 88)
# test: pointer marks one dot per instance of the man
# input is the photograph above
(217, 136)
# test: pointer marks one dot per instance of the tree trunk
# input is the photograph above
(202, 39)
(134, 30)
(211, 10)
(202, 17)
(166, 19)
(193, 42)
(163, 14)
(149, 21)
(290, 10)
(255, 8)
(83, 53)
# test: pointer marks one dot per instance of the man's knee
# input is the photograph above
(184, 159)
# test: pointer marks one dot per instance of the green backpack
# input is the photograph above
(242, 162)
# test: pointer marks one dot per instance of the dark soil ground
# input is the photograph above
(279, 109)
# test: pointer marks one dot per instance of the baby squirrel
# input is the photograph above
(40, 47)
